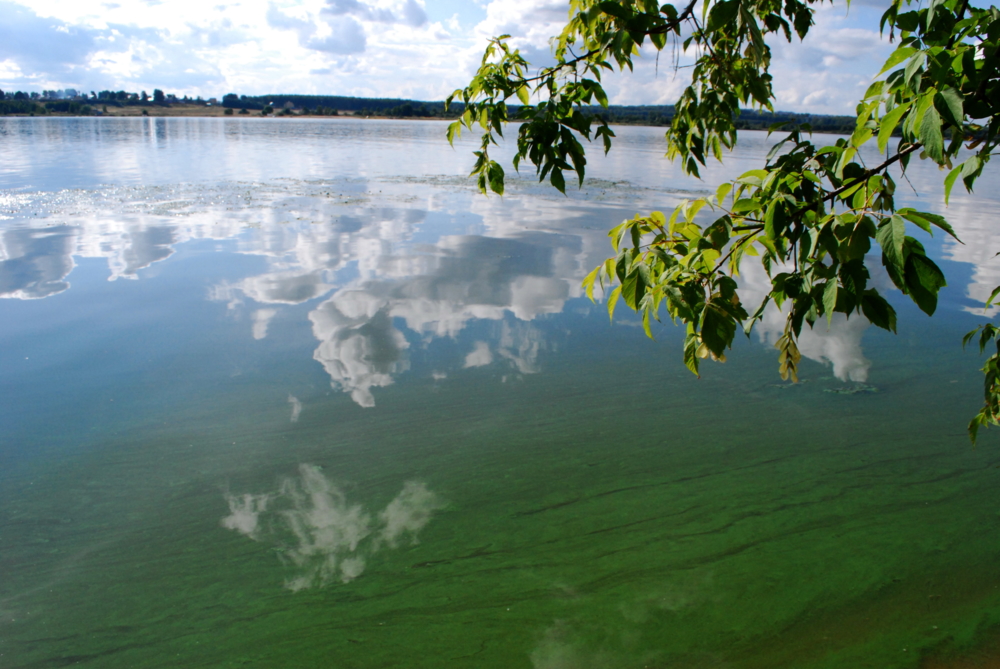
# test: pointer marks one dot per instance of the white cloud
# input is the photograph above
(378, 48)
(830, 71)
(408, 11)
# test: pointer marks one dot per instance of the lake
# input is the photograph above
(292, 393)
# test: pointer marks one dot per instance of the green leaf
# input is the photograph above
(495, 176)
(691, 345)
(969, 335)
(717, 329)
(924, 103)
(775, 220)
(752, 177)
(891, 238)
(615, 9)
(590, 279)
(777, 147)
(878, 311)
(558, 181)
(523, 95)
(454, 131)
(951, 101)
(979, 419)
(757, 315)
(861, 135)
(634, 286)
(916, 218)
(613, 300)
(722, 14)
(925, 220)
(993, 296)
(602, 97)
(722, 191)
(830, 299)
(888, 125)
(989, 332)
(949, 182)
(845, 157)
(875, 90)
(745, 205)
(930, 135)
(924, 279)
(897, 57)
(913, 66)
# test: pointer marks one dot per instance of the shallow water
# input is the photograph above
(292, 394)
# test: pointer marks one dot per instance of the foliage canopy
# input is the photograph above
(812, 214)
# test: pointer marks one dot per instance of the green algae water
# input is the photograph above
(291, 394)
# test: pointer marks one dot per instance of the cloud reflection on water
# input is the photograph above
(35, 262)
(377, 284)
(437, 293)
(837, 343)
(972, 218)
(320, 533)
(359, 346)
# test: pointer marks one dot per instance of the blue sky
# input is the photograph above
(420, 49)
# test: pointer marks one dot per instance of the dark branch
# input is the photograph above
(871, 172)
(665, 28)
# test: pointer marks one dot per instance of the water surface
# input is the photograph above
(292, 394)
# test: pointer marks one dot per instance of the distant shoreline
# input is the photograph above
(202, 111)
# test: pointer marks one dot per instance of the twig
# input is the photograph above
(869, 173)
(665, 28)
(737, 245)
(958, 17)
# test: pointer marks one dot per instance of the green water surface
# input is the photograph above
(533, 486)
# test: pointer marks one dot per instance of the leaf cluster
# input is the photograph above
(816, 217)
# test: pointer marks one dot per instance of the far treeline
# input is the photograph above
(82, 104)
(76, 103)
(651, 115)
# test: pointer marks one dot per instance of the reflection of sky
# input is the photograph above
(394, 259)
(972, 216)
(837, 343)
(34, 263)
(320, 533)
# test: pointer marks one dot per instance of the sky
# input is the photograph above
(415, 49)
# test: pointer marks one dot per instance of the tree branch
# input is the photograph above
(871, 172)
(829, 196)
(665, 28)
(958, 17)
(737, 245)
